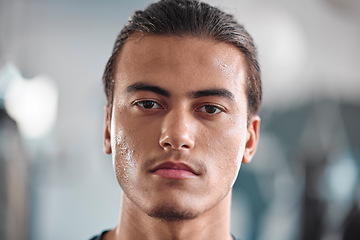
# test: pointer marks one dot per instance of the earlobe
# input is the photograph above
(107, 133)
(252, 139)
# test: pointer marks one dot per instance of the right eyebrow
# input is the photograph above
(147, 87)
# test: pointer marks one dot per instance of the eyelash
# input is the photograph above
(202, 108)
(212, 107)
(141, 104)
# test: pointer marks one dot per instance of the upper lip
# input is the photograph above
(174, 166)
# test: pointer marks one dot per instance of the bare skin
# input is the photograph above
(208, 226)
(178, 133)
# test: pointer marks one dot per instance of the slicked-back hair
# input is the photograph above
(190, 18)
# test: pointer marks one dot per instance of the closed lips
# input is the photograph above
(174, 166)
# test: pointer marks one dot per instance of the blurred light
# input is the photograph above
(8, 74)
(341, 177)
(285, 46)
(31, 103)
(283, 52)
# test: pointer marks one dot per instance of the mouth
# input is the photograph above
(174, 171)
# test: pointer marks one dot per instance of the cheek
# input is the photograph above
(131, 143)
(123, 153)
(229, 149)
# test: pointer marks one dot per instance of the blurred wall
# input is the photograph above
(309, 54)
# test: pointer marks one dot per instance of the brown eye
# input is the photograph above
(210, 109)
(147, 104)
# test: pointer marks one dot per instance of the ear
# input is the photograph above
(252, 138)
(107, 134)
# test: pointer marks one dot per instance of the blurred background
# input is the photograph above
(56, 182)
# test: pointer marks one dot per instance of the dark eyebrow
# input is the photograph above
(213, 92)
(147, 87)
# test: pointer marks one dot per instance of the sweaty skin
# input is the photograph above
(178, 133)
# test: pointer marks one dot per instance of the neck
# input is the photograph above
(135, 224)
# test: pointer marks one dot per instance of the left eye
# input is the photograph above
(210, 109)
(147, 104)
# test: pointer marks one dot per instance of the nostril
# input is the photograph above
(174, 146)
(185, 146)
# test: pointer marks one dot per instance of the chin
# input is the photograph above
(169, 212)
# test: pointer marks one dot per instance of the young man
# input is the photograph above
(183, 88)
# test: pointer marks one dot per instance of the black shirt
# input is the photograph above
(99, 237)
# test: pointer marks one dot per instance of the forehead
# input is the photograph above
(186, 61)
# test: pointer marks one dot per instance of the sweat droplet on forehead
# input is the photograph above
(233, 69)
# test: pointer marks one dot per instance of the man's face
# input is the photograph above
(178, 130)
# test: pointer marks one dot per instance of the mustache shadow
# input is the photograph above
(196, 164)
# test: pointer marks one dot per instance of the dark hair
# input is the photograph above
(194, 18)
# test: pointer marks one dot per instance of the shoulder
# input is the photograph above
(235, 237)
(99, 237)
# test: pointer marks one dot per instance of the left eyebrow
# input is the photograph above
(213, 92)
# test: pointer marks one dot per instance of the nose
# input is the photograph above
(176, 132)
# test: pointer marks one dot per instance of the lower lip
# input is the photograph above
(174, 173)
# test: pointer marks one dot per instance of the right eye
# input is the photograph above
(148, 104)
